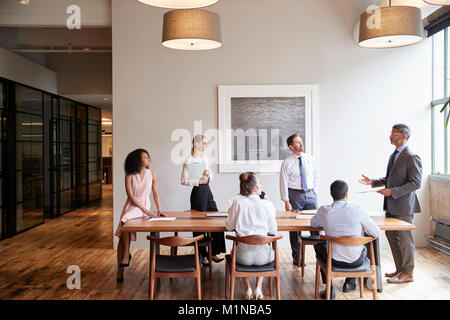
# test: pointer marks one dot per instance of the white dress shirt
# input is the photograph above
(188, 181)
(251, 215)
(342, 219)
(290, 174)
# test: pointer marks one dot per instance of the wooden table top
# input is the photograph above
(198, 222)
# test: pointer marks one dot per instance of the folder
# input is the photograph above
(195, 170)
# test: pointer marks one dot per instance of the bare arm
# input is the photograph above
(132, 199)
(156, 194)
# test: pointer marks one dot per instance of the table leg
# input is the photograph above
(156, 235)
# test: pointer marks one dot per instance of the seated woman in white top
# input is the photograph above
(250, 215)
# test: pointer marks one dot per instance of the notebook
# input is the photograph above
(217, 214)
(162, 219)
(303, 217)
(195, 170)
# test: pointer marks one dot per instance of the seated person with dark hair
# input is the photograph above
(341, 219)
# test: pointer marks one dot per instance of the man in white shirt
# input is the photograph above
(299, 180)
(341, 219)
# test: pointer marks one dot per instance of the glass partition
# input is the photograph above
(3, 139)
(94, 153)
(29, 158)
(50, 156)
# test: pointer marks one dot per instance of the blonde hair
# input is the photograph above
(198, 138)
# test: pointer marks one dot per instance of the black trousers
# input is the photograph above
(301, 201)
(322, 253)
(202, 200)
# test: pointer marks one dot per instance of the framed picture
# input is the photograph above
(255, 121)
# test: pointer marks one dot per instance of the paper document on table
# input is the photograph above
(310, 212)
(217, 214)
(303, 217)
(372, 190)
(195, 170)
(162, 219)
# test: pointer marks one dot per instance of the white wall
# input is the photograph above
(362, 92)
(17, 68)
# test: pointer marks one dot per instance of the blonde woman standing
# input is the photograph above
(201, 196)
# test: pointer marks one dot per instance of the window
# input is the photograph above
(441, 93)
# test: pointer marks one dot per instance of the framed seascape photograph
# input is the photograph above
(255, 121)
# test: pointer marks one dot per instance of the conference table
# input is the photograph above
(195, 221)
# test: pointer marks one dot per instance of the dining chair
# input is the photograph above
(183, 266)
(206, 242)
(234, 270)
(366, 270)
(301, 249)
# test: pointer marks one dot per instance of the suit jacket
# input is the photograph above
(404, 179)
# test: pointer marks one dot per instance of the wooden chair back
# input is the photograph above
(254, 239)
(175, 241)
(351, 241)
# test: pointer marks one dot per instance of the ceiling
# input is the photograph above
(38, 42)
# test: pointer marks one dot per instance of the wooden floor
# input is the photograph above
(33, 265)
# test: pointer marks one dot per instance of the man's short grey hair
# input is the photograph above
(403, 129)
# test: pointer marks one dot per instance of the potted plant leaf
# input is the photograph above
(446, 105)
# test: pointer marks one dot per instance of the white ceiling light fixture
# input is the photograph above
(179, 4)
(390, 27)
(438, 2)
(191, 29)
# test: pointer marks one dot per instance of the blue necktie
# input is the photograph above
(391, 163)
(389, 168)
(303, 175)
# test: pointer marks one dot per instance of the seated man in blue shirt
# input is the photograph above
(341, 219)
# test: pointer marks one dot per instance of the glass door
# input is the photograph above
(82, 159)
(94, 154)
(67, 179)
(29, 169)
(55, 158)
(3, 140)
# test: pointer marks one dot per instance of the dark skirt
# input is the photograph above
(202, 200)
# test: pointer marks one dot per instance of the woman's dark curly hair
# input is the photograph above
(133, 161)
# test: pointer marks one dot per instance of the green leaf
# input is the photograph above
(446, 122)
(445, 105)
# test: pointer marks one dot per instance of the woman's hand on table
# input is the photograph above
(161, 214)
(151, 214)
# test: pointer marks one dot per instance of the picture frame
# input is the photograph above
(255, 120)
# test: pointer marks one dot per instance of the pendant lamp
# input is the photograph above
(179, 4)
(191, 29)
(438, 2)
(393, 26)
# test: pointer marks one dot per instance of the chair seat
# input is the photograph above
(312, 238)
(175, 264)
(241, 268)
(364, 267)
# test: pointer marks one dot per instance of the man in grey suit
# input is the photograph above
(403, 178)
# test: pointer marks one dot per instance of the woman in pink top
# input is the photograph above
(139, 182)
